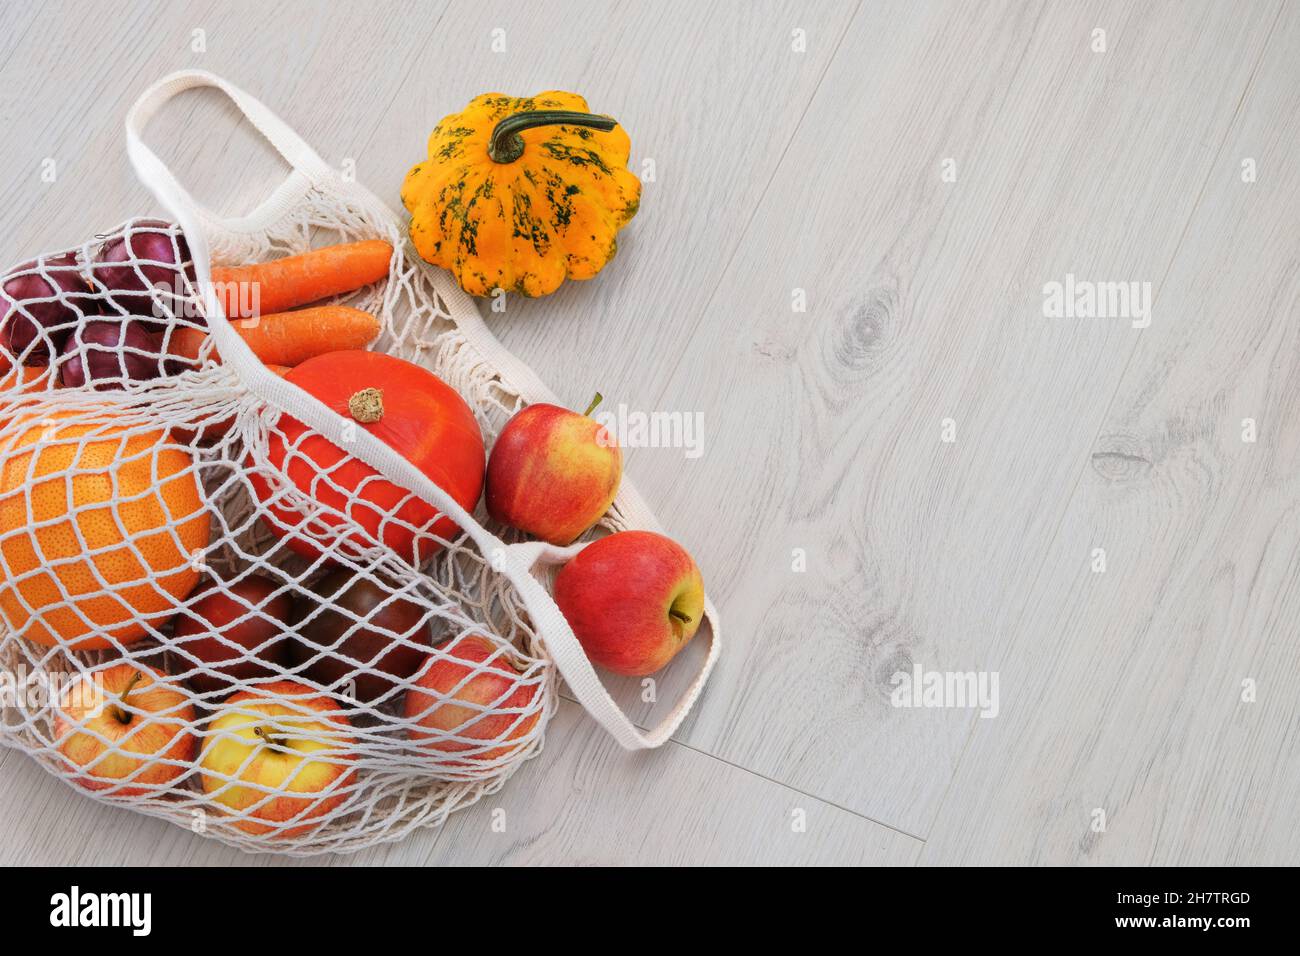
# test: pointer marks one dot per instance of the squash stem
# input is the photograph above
(506, 145)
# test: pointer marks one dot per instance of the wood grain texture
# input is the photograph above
(591, 803)
(925, 304)
(1127, 689)
(779, 169)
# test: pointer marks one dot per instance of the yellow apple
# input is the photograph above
(278, 754)
(126, 729)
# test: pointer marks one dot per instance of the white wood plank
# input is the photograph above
(587, 802)
(1124, 689)
(925, 304)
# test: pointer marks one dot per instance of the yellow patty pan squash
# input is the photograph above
(520, 193)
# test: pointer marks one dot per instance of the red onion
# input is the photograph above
(150, 255)
(30, 329)
(110, 352)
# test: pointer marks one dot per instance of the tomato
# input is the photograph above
(403, 405)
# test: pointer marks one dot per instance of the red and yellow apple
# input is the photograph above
(283, 737)
(144, 720)
(553, 473)
(457, 715)
(633, 598)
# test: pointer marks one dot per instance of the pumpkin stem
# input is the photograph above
(367, 406)
(594, 402)
(506, 145)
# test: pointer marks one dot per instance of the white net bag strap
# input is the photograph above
(515, 561)
(307, 167)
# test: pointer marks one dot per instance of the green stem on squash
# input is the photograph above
(594, 402)
(119, 714)
(506, 145)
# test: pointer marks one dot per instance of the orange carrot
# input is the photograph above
(287, 338)
(186, 342)
(296, 280)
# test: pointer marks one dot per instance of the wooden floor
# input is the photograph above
(913, 173)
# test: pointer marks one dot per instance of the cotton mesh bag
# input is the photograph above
(142, 487)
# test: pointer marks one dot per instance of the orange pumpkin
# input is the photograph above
(403, 405)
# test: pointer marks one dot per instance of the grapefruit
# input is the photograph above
(99, 525)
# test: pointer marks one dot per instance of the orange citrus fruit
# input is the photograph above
(99, 524)
(24, 379)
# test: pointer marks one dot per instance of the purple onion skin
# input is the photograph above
(101, 352)
(130, 287)
(45, 324)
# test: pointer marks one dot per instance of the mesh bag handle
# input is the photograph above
(516, 562)
(305, 164)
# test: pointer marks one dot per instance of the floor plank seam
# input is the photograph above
(780, 783)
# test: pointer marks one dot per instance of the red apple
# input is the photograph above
(634, 599)
(144, 719)
(470, 695)
(553, 472)
(358, 620)
(236, 631)
(280, 736)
